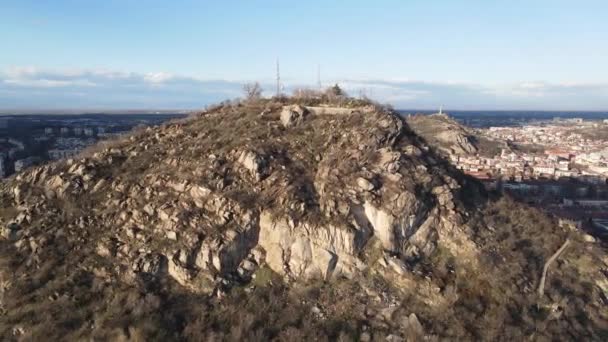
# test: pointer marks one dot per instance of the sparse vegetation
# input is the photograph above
(253, 91)
(74, 272)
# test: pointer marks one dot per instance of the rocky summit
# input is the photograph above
(445, 133)
(286, 219)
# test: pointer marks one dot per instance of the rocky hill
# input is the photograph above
(450, 137)
(271, 219)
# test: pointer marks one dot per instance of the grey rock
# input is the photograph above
(365, 184)
(293, 115)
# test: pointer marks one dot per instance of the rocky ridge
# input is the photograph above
(207, 203)
(304, 213)
(444, 132)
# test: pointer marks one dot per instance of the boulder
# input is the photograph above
(293, 115)
(365, 184)
(171, 235)
(255, 163)
(178, 271)
(199, 193)
(246, 268)
(588, 238)
(103, 250)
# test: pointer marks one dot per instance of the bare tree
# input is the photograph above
(307, 93)
(253, 91)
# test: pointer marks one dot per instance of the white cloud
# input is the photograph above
(20, 72)
(521, 90)
(46, 83)
(457, 95)
(30, 86)
(158, 77)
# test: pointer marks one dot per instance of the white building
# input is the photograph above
(602, 170)
(544, 170)
(59, 154)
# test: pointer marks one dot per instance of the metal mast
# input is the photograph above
(278, 80)
(319, 76)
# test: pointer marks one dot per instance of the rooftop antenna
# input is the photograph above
(319, 76)
(278, 79)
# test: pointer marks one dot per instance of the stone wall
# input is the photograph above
(322, 110)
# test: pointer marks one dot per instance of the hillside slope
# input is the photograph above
(273, 220)
(450, 137)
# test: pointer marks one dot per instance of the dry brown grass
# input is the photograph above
(60, 294)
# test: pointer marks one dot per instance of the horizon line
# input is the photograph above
(81, 111)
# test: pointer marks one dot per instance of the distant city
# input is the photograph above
(503, 118)
(27, 140)
(556, 161)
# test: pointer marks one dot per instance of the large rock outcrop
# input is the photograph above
(229, 195)
(312, 210)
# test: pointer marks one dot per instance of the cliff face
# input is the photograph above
(213, 203)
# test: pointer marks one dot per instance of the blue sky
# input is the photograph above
(534, 54)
